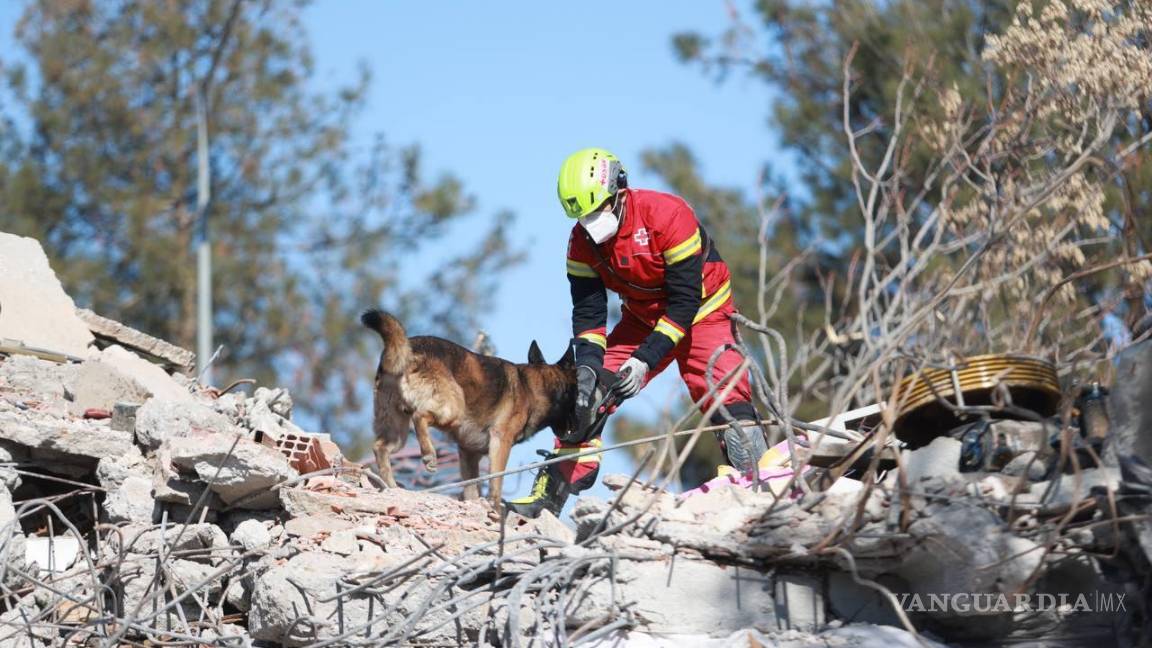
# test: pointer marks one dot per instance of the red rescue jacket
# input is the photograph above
(661, 264)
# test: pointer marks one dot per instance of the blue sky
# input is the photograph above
(500, 93)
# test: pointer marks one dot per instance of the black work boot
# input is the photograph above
(744, 445)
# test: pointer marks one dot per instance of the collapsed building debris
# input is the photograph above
(109, 332)
(190, 516)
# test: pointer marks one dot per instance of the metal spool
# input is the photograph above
(1031, 382)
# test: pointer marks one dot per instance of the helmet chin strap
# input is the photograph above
(619, 205)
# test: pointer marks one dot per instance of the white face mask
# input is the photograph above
(600, 225)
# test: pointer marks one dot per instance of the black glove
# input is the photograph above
(586, 397)
(592, 386)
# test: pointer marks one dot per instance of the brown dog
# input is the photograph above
(484, 403)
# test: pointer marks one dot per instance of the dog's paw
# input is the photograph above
(429, 462)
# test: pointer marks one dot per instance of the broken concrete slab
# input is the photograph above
(251, 535)
(113, 332)
(286, 601)
(142, 593)
(131, 501)
(940, 457)
(343, 543)
(52, 554)
(96, 384)
(37, 384)
(33, 305)
(392, 501)
(207, 543)
(27, 634)
(1063, 491)
(276, 400)
(205, 580)
(307, 526)
(7, 509)
(456, 526)
(83, 442)
(161, 419)
(800, 601)
(956, 545)
(684, 596)
(111, 472)
(9, 478)
(848, 599)
(153, 378)
(239, 470)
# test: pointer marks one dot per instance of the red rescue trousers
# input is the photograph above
(691, 355)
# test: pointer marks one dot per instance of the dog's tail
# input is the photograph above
(397, 353)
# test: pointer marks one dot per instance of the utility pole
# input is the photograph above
(204, 248)
(203, 202)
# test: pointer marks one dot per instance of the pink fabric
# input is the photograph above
(776, 477)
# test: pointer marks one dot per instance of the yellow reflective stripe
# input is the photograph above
(595, 338)
(670, 330)
(715, 301)
(577, 269)
(591, 445)
(586, 459)
(683, 250)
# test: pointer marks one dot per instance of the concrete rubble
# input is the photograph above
(137, 507)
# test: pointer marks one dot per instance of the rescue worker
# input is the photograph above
(648, 247)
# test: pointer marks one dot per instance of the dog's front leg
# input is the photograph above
(498, 450)
(470, 469)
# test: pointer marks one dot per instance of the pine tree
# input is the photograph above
(308, 227)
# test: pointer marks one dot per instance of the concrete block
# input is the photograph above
(937, 459)
(854, 603)
(44, 383)
(126, 336)
(160, 419)
(153, 378)
(242, 472)
(58, 439)
(34, 308)
(685, 597)
(98, 384)
(251, 535)
(799, 601)
(131, 501)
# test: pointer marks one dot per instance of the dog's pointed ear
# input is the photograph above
(535, 355)
(568, 359)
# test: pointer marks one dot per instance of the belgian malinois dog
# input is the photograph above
(486, 404)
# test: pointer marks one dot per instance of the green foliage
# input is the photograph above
(798, 50)
(308, 227)
(937, 40)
